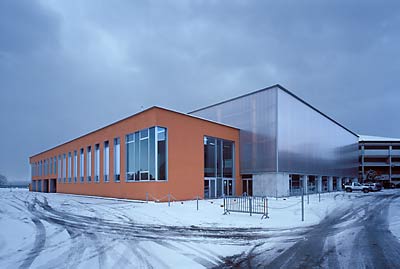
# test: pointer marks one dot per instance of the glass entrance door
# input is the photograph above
(228, 187)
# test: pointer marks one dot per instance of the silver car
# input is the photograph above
(373, 186)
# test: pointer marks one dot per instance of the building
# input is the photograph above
(379, 159)
(153, 154)
(269, 142)
(286, 144)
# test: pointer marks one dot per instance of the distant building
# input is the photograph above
(379, 159)
(269, 142)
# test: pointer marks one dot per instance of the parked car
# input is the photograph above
(373, 186)
(355, 186)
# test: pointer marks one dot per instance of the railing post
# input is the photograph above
(302, 204)
(169, 199)
(250, 206)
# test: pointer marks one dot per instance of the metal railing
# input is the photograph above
(246, 204)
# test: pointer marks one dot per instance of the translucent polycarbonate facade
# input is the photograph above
(255, 116)
(310, 143)
(281, 133)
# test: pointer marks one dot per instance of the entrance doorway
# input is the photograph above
(228, 187)
(53, 185)
(45, 185)
(247, 186)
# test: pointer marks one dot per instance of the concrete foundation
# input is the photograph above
(271, 184)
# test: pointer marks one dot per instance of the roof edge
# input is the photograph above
(288, 92)
(131, 116)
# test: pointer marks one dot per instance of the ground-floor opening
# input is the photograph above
(218, 187)
(53, 185)
(247, 185)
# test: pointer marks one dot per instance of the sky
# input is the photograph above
(70, 67)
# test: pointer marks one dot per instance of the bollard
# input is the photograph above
(169, 199)
(197, 203)
(302, 204)
(319, 196)
(147, 197)
(308, 198)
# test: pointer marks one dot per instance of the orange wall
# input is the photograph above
(185, 157)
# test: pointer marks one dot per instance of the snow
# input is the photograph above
(394, 219)
(86, 232)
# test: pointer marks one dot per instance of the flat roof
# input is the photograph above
(370, 138)
(134, 115)
(285, 90)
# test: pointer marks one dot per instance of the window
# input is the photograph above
(106, 157)
(69, 167)
(55, 165)
(146, 155)
(64, 167)
(218, 167)
(116, 159)
(161, 153)
(51, 166)
(81, 166)
(59, 168)
(96, 163)
(130, 157)
(75, 166)
(209, 157)
(89, 164)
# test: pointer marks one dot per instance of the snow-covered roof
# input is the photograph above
(376, 138)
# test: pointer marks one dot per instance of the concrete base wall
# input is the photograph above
(271, 184)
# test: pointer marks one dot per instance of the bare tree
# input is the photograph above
(3, 180)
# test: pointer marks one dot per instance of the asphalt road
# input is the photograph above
(355, 237)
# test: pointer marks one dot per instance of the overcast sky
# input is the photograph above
(69, 67)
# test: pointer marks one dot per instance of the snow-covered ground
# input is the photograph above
(40, 230)
(394, 218)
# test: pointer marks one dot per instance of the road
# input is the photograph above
(356, 237)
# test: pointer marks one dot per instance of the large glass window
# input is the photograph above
(209, 157)
(117, 162)
(69, 167)
(146, 155)
(75, 166)
(130, 157)
(82, 163)
(161, 153)
(106, 165)
(218, 166)
(89, 164)
(97, 163)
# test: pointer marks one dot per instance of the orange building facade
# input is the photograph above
(151, 155)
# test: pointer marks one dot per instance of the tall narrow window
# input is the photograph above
(106, 165)
(75, 166)
(81, 166)
(64, 168)
(116, 159)
(59, 168)
(89, 163)
(144, 154)
(69, 167)
(55, 165)
(130, 157)
(97, 163)
(161, 153)
(51, 166)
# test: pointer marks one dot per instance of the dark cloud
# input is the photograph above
(68, 67)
